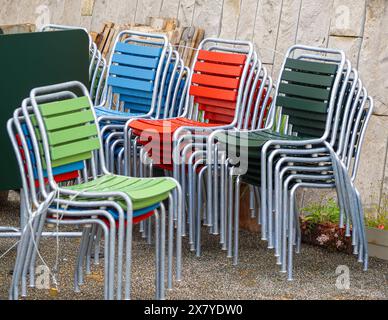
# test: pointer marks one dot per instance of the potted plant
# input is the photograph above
(320, 227)
(377, 231)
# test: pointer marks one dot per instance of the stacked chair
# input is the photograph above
(228, 87)
(55, 133)
(145, 79)
(314, 142)
(88, 157)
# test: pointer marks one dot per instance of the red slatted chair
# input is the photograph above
(214, 89)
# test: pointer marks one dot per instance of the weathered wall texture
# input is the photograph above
(360, 27)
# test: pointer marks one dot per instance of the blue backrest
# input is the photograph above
(132, 75)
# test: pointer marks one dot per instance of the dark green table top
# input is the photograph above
(30, 60)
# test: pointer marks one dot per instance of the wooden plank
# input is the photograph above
(171, 24)
(104, 35)
(186, 39)
(17, 28)
(94, 35)
(175, 36)
(110, 41)
(200, 33)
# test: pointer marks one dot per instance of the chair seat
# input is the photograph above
(137, 216)
(144, 192)
(255, 139)
(101, 111)
(165, 128)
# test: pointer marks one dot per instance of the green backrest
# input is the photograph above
(304, 95)
(71, 130)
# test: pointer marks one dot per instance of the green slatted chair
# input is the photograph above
(67, 133)
(72, 136)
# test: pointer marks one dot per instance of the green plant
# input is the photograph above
(378, 218)
(329, 212)
(322, 212)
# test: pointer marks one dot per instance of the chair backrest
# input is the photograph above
(173, 67)
(64, 134)
(217, 82)
(27, 144)
(71, 131)
(307, 91)
(135, 71)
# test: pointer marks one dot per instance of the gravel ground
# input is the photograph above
(212, 276)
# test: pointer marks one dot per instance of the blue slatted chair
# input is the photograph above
(135, 76)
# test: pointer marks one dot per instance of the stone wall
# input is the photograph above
(360, 27)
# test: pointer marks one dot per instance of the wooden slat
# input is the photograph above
(72, 159)
(215, 81)
(308, 131)
(197, 38)
(135, 61)
(301, 104)
(305, 114)
(304, 91)
(224, 111)
(131, 72)
(303, 122)
(109, 41)
(103, 36)
(68, 120)
(218, 69)
(219, 118)
(216, 102)
(222, 57)
(74, 148)
(307, 78)
(214, 93)
(64, 106)
(130, 92)
(133, 49)
(131, 84)
(62, 136)
(137, 100)
(311, 66)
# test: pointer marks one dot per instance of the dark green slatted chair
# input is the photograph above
(302, 103)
